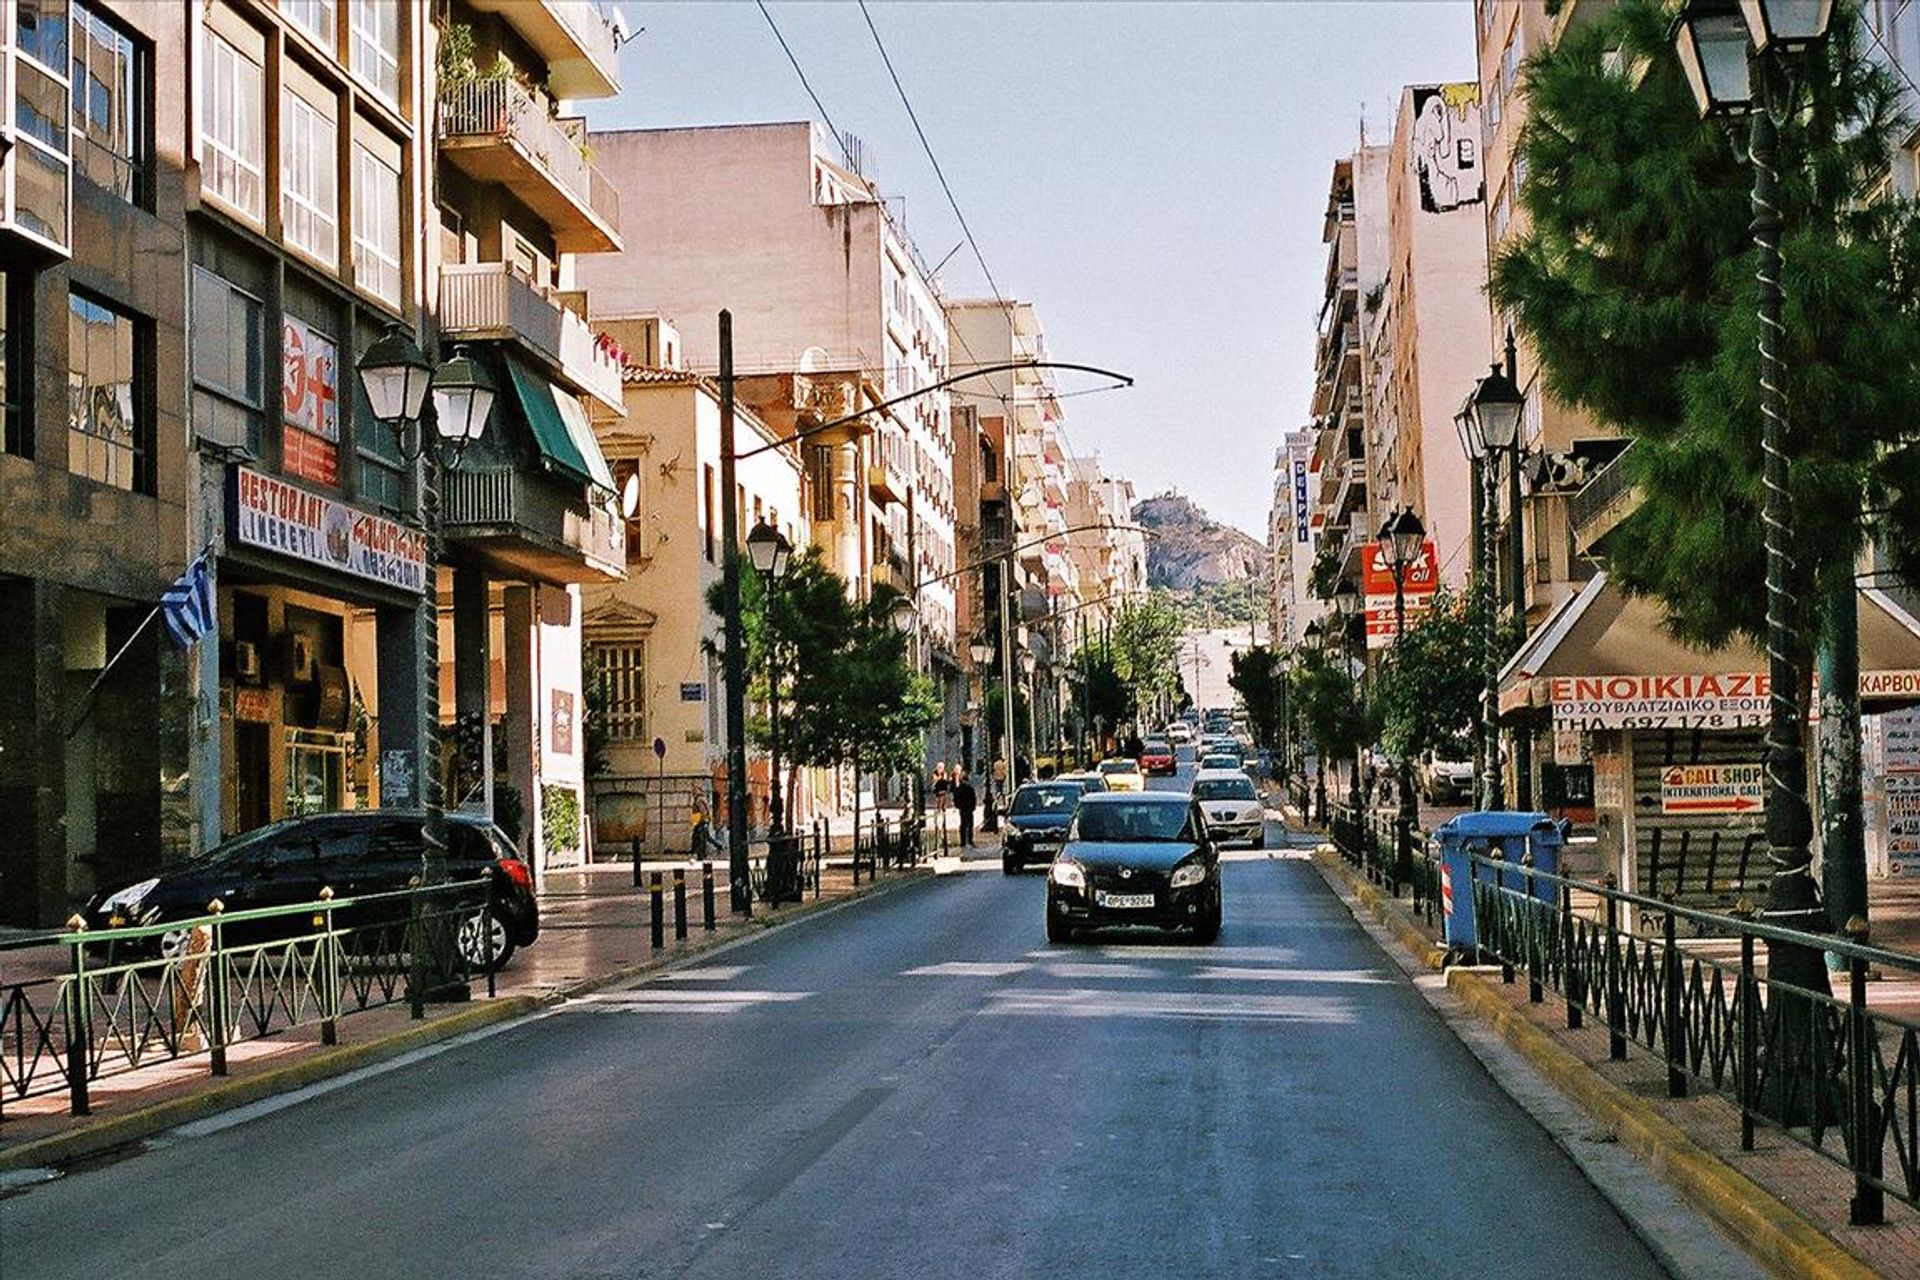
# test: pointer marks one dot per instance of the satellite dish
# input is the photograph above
(813, 359)
(630, 496)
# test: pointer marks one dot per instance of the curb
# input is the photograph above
(1771, 1230)
(107, 1133)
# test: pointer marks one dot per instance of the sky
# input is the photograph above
(1151, 177)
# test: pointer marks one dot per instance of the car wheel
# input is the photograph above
(1208, 928)
(1260, 839)
(1008, 867)
(475, 945)
(1058, 930)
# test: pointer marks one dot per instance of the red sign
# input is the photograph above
(310, 444)
(1376, 580)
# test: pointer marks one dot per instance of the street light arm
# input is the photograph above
(929, 389)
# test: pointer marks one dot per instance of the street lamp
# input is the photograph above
(1497, 407)
(1485, 763)
(1780, 31)
(1403, 543)
(769, 552)
(1313, 637)
(396, 376)
(1346, 603)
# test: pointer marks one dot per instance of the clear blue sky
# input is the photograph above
(1150, 176)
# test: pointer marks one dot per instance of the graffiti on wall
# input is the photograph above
(1445, 147)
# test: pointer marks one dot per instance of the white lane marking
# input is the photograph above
(966, 969)
(1222, 973)
(707, 973)
(1189, 1005)
(1101, 970)
(655, 1000)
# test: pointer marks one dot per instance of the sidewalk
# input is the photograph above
(595, 932)
(1786, 1202)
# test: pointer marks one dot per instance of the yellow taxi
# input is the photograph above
(1122, 775)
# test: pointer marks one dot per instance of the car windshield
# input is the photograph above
(1146, 820)
(1057, 798)
(1220, 762)
(1155, 747)
(1223, 789)
(1119, 766)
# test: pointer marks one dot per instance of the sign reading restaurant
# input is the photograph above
(1730, 700)
(266, 512)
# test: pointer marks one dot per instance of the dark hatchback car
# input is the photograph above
(361, 852)
(1037, 823)
(1135, 859)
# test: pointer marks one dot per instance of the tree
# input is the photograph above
(1100, 695)
(1329, 706)
(1145, 644)
(1426, 696)
(1257, 677)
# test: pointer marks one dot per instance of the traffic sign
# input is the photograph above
(1713, 788)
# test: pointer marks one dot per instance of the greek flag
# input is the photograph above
(187, 606)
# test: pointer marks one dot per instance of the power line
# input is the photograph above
(839, 138)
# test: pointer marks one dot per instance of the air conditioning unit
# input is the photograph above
(295, 665)
(246, 662)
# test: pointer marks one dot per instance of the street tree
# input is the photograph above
(1257, 676)
(1144, 640)
(1326, 698)
(1426, 695)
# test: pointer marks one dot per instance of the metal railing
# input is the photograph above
(478, 497)
(1601, 502)
(496, 107)
(490, 299)
(1367, 843)
(1826, 1071)
(129, 998)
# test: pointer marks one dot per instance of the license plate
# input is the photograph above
(1124, 901)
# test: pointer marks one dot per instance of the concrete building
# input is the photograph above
(1290, 540)
(96, 482)
(833, 311)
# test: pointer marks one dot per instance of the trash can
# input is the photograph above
(1514, 835)
(784, 882)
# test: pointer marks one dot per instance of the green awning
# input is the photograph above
(564, 446)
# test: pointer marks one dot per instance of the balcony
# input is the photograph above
(488, 302)
(493, 130)
(532, 524)
(884, 484)
(1601, 504)
(573, 39)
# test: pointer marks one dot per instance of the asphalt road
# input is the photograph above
(914, 1086)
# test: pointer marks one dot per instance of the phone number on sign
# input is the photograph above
(1661, 720)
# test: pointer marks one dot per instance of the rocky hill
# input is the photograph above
(1188, 549)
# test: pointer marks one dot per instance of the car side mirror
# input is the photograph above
(267, 864)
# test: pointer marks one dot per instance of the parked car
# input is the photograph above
(1136, 860)
(1443, 778)
(1122, 775)
(1156, 757)
(1087, 781)
(1037, 823)
(1233, 808)
(1180, 733)
(366, 851)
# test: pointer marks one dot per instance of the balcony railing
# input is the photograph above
(1601, 504)
(573, 37)
(556, 531)
(489, 300)
(499, 108)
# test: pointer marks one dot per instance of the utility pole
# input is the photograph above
(733, 638)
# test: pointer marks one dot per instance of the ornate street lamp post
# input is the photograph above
(1346, 604)
(397, 376)
(1497, 406)
(1314, 637)
(770, 553)
(1403, 542)
(981, 651)
(1486, 760)
(1741, 61)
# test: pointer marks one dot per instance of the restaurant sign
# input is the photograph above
(1736, 700)
(266, 512)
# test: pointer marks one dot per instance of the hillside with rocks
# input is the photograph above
(1190, 550)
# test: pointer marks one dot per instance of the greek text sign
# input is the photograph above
(1737, 700)
(1712, 788)
(269, 513)
(1422, 579)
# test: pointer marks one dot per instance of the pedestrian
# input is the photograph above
(964, 800)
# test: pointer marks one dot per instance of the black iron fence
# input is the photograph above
(121, 999)
(1825, 1070)
(1368, 842)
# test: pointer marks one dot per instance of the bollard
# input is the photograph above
(1673, 1025)
(1615, 992)
(679, 904)
(637, 874)
(216, 989)
(1536, 992)
(328, 968)
(656, 912)
(1749, 1037)
(706, 896)
(1572, 977)
(79, 1024)
(1869, 1204)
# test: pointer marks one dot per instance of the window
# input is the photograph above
(383, 475)
(41, 107)
(376, 225)
(109, 401)
(234, 165)
(622, 671)
(309, 179)
(373, 38)
(16, 424)
(625, 471)
(229, 362)
(315, 17)
(110, 87)
(310, 408)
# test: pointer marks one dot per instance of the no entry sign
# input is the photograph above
(1712, 788)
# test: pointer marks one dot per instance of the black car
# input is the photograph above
(1037, 823)
(1135, 859)
(365, 851)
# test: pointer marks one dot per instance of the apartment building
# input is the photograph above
(97, 492)
(833, 311)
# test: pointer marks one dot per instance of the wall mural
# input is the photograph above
(1445, 150)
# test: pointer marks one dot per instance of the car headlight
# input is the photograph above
(130, 897)
(1188, 874)
(1069, 875)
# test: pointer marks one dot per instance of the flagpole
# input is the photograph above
(86, 701)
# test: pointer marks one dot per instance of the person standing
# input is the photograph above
(964, 801)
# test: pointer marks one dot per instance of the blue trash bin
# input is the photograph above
(1514, 835)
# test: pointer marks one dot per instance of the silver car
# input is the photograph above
(1232, 807)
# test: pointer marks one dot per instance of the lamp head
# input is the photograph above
(462, 399)
(1712, 40)
(1497, 407)
(395, 373)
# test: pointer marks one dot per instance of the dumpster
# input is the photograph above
(1514, 835)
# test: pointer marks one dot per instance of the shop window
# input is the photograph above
(373, 35)
(112, 89)
(622, 672)
(229, 362)
(310, 407)
(109, 395)
(309, 179)
(233, 165)
(376, 226)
